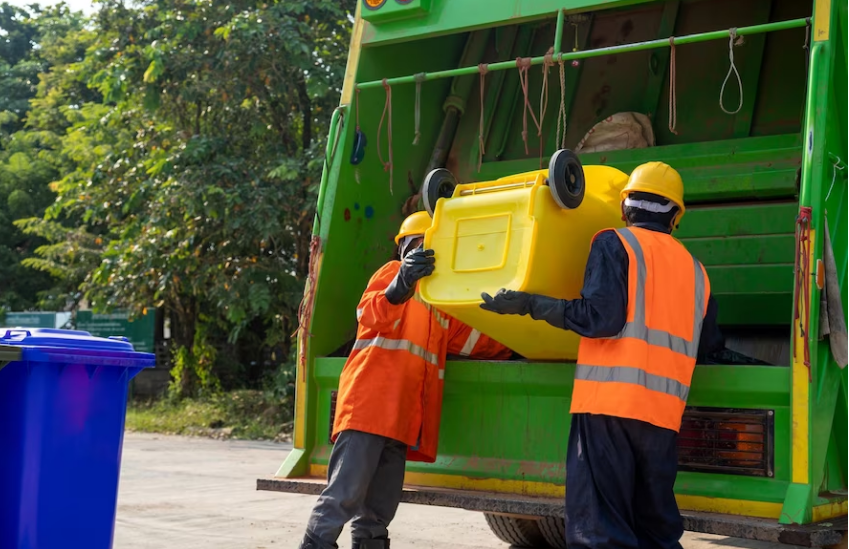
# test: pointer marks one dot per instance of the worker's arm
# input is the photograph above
(711, 340)
(374, 310)
(465, 341)
(390, 288)
(602, 309)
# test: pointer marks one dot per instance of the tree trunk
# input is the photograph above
(183, 327)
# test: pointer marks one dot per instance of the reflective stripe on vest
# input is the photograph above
(471, 341)
(634, 376)
(637, 329)
(397, 345)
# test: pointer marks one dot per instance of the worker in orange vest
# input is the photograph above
(645, 316)
(390, 396)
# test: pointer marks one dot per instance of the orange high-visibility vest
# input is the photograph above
(392, 383)
(645, 371)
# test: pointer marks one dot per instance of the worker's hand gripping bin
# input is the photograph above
(63, 398)
(529, 232)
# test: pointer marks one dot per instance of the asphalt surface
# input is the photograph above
(192, 493)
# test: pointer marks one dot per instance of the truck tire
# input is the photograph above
(515, 531)
(553, 529)
(841, 545)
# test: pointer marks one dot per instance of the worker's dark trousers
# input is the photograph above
(365, 478)
(619, 479)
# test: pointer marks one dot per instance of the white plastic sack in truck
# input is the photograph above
(623, 130)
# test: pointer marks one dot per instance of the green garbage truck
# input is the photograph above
(747, 100)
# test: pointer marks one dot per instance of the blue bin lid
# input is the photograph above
(49, 344)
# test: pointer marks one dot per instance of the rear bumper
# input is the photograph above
(820, 534)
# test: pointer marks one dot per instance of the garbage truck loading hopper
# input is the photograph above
(763, 447)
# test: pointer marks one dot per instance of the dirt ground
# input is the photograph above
(184, 493)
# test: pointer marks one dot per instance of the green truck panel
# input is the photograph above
(747, 177)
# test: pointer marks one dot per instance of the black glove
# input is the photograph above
(539, 307)
(506, 302)
(416, 265)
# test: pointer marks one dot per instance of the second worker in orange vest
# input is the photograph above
(646, 315)
(390, 397)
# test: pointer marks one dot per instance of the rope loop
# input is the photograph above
(417, 115)
(387, 114)
(561, 115)
(523, 64)
(547, 63)
(673, 95)
(483, 68)
(732, 36)
(836, 165)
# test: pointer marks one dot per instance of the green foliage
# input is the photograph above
(192, 371)
(243, 414)
(259, 414)
(168, 153)
(33, 41)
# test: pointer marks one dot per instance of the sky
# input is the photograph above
(76, 5)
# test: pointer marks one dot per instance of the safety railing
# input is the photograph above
(558, 56)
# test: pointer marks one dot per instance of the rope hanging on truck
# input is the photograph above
(802, 321)
(483, 68)
(387, 110)
(523, 64)
(673, 96)
(732, 36)
(417, 115)
(306, 307)
(561, 115)
(836, 164)
(543, 97)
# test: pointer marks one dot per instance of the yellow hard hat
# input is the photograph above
(416, 224)
(660, 179)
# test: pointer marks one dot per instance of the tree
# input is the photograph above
(31, 41)
(197, 172)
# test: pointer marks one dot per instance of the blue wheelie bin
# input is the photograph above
(63, 399)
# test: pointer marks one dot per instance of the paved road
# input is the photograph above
(184, 493)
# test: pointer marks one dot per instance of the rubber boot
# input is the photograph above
(366, 543)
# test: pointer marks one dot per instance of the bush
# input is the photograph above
(243, 414)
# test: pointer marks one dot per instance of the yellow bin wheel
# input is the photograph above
(566, 179)
(439, 183)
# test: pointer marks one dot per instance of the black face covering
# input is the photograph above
(407, 247)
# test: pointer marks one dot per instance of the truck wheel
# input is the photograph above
(439, 183)
(515, 531)
(566, 179)
(553, 530)
(841, 545)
